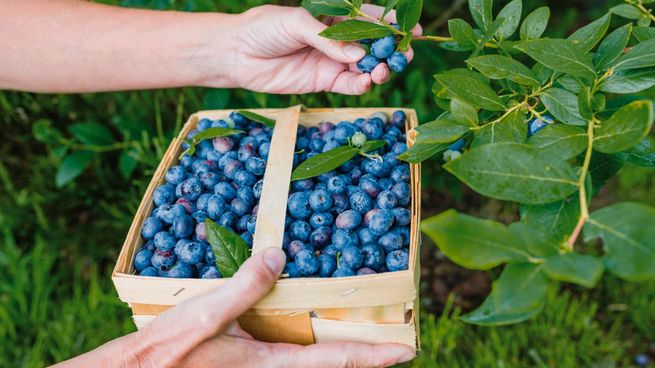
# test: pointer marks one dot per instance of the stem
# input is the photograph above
(504, 115)
(582, 190)
(645, 11)
(381, 22)
(433, 38)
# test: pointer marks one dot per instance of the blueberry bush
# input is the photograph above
(543, 122)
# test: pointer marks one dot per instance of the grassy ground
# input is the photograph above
(57, 245)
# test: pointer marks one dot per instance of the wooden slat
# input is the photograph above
(327, 330)
(387, 314)
(272, 210)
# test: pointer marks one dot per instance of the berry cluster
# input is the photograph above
(222, 181)
(382, 50)
(355, 219)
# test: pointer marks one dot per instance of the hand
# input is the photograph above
(279, 50)
(203, 332)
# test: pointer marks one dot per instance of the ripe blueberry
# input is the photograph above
(397, 260)
(151, 226)
(383, 47)
(350, 257)
(306, 262)
(368, 63)
(164, 194)
(349, 219)
(397, 62)
(142, 259)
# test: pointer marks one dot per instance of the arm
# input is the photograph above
(203, 332)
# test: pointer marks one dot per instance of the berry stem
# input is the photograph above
(582, 190)
(645, 11)
(381, 22)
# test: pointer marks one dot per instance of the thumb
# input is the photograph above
(306, 29)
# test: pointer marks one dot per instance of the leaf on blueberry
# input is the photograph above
(258, 118)
(229, 248)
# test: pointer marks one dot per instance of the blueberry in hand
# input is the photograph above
(397, 62)
(383, 47)
(368, 63)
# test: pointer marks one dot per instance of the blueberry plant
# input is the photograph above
(543, 122)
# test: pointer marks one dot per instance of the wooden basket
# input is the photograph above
(372, 308)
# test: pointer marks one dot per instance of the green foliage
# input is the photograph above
(207, 134)
(552, 172)
(229, 248)
(332, 159)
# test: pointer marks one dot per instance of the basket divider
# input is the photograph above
(269, 230)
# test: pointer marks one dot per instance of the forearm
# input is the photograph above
(76, 46)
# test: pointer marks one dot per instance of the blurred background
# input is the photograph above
(73, 169)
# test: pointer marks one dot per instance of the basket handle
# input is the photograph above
(272, 210)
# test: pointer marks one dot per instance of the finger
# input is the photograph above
(351, 83)
(306, 28)
(380, 73)
(409, 54)
(347, 354)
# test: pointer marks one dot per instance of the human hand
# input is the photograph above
(279, 50)
(203, 332)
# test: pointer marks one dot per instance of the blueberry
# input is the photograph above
(400, 173)
(179, 271)
(373, 256)
(238, 119)
(349, 219)
(302, 185)
(256, 165)
(142, 259)
(223, 144)
(321, 237)
(642, 360)
(320, 185)
(391, 241)
(327, 264)
(337, 184)
(300, 230)
(379, 220)
(343, 272)
(296, 246)
(326, 176)
(330, 146)
(368, 63)
(316, 145)
(404, 233)
(376, 167)
(228, 219)
(306, 262)
(247, 237)
(175, 175)
(204, 124)
(168, 213)
(298, 205)
(535, 125)
(385, 183)
(398, 119)
(350, 257)
(325, 127)
(226, 190)
(367, 236)
(331, 250)
(344, 237)
(398, 148)
(210, 258)
(149, 271)
(373, 128)
(162, 260)
(264, 149)
(199, 216)
(201, 231)
(257, 189)
(246, 194)
(341, 203)
(231, 155)
(360, 201)
(249, 141)
(209, 179)
(164, 240)
(291, 269)
(239, 207)
(365, 271)
(319, 219)
(380, 115)
(151, 226)
(344, 131)
(215, 206)
(458, 145)
(209, 272)
(244, 178)
(370, 187)
(320, 200)
(355, 174)
(232, 167)
(182, 226)
(403, 192)
(387, 200)
(164, 194)
(189, 206)
(186, 161)
(201, 203)
(150, 245)
(189, 252)
(383, 47)
(397, 260)
(190, 189)
(221, 123)
(397, 62)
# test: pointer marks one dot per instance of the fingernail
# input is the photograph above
(275, 259)
(353, 51)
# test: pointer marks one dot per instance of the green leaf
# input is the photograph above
(372, 145)
(559, 140)
(44, 132)
(408, 13)
(355, 30)
(93, 134)
(563, 105)
(535, 24)
(504, 67)
(584, 103)
(405, 42)
(472, 242)
(626, 11)
(575, 268)
(420, 152)
(464, 113)
(515, 172)
(570, 83)
(470, 90)
(127, 164)
(462, 32)
(557, 219)
(512, 128)
(324, 162)
(229, 248)
(512, 15)
(612, 46)
(602, 168)
(258, 118)
(629, 81)
(388, 7)
(643, 154)
(443, 130)
(644, 21)
(534, 240)
(643, 33)
(560, 55)
(518, 294)
(207, 134)
(481, 11)
(588, 36)
(640, 56)
(327, 7)
(72, 166)
(625, 128)
(627, 232)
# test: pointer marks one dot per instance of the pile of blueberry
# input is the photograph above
(354, 220)
(222, 181)
(382, 50)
